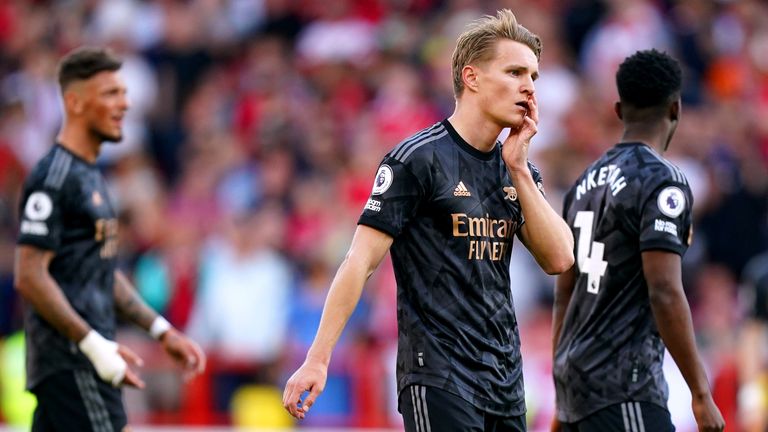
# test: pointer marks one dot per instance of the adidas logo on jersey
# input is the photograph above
(461, 190)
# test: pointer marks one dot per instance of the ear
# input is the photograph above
(674, 110)
(469, 76)
(617, 110)
(73, 103)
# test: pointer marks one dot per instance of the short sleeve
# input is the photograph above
(537, 178)
(665, 222)
(40, 215)
(394, 199)
(539, 181)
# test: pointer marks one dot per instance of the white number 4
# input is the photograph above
(590, 262)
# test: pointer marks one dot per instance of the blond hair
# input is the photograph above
(477, 43)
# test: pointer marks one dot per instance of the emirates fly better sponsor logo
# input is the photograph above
(487, 238)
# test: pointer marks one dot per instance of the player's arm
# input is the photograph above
(39, 289)
(662, 270)
(563, 291)
(36, 286)
(129, 304)
(544, 233)
(365, 253)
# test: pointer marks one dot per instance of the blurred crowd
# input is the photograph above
(256, 127)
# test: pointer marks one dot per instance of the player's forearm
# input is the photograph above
(343, 296)
(563, 292)
(130, 305)
(545, 233)
(673, 320)
(39, 289)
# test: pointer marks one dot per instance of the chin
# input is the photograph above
(516, 123)
(112, 138)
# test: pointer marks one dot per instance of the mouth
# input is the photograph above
(524, 105)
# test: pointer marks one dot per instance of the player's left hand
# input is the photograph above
(707, 415)
(555, 426)
(131, 377)
(515, 150)
(184, 351)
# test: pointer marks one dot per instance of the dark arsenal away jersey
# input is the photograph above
(65, 208)
(629, 201)
(452, 211)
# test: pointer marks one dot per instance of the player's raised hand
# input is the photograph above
(310, 377)
(515, 150)
(184, 351)
(131, 377)
(708, 417)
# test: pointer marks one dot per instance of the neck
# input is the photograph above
(476, 129)
(652, 134)
(76, 139)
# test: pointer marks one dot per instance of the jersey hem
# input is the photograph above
(31, 384)
(513, 409)
(574, 418)
(28, 241)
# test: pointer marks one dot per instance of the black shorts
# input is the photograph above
(625, 417)
(78, 400)
(429, 409)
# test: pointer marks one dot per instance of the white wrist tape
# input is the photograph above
(159, 326)
(103, 354)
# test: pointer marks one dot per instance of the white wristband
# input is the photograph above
(159, 326)
(104, 356)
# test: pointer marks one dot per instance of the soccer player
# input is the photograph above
(66, 265)
(623, 300)
(447, 202)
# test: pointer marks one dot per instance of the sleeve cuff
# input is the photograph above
(661, 245)
(378, 225)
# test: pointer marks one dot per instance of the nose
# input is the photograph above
(125, 103)
(528, 87)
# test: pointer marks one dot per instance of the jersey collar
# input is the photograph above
(74, 155)
(466, 146)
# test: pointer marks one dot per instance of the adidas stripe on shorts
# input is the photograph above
(625, 417)
(77, 400)
(429, 409)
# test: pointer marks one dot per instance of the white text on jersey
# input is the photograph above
(610, 175)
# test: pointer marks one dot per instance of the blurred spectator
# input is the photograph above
(753, 355)
(243, 304)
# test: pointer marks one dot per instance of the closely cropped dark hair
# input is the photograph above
(649, 78)
(85, 62)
